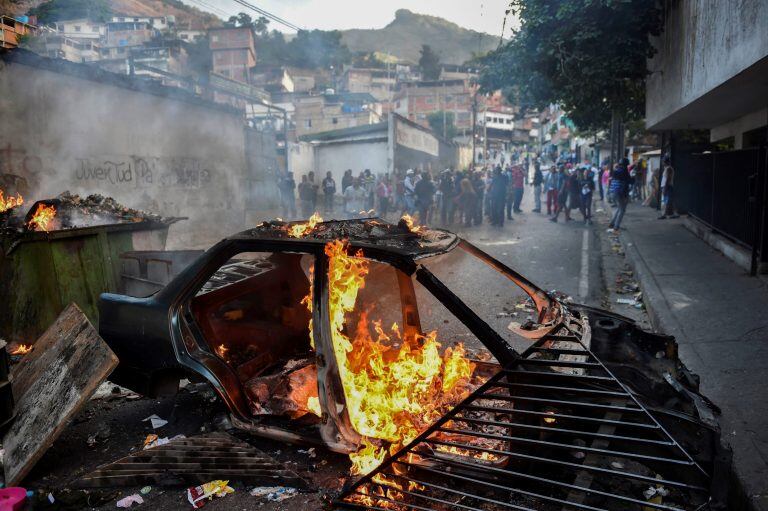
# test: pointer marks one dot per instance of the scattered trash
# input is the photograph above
(153, 440)
(617, 465)
(145, 490)
(274, 493)
(130, 500)
(626, 301)
(156, 421)
(199, 496)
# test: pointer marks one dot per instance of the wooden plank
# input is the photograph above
(52, 384)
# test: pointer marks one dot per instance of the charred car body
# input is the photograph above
(591, 412)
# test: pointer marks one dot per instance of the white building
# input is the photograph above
(81, 29)
(161, 23)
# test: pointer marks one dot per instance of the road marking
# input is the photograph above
(584, 273)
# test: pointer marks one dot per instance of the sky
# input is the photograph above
(481, 15)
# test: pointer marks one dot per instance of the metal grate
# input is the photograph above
(555, 430)
(193, 460)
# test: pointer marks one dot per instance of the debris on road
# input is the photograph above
(199, 496)
(156, 421)
(130, 500)
(274, 493)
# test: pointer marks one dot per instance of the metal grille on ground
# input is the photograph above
(555, 430)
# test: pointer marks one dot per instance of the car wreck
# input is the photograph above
(366, 338)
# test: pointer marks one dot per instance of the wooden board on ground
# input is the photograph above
(51, 385)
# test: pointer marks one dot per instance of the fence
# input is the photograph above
(727, 191)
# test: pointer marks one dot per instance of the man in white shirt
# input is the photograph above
(667, 189)
(354, 198)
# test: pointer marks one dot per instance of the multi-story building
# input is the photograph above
(161, 23)
(233, 51)
(325, 112)
(379, 83)
(128, 33)
(11, 29)
(81, 29)
(75, 50)
(415, 101)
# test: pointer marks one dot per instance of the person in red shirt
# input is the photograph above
(518, 187)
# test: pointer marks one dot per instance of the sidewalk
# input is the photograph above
(719, 315)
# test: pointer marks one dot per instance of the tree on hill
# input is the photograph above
(589, 56)
(447, 129)
(260, 25)
(57, 10)
(429, 62)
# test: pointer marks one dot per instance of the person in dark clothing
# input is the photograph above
(287, 186)
(425, 194)
(618, 188)
(306, 194)
(329, 191)
(574, 193)
(587, 185)
(498, 194)
(446, 189)
(315, 188)
(510, 198)
(538, 181)
(562, 198)
(478, 183)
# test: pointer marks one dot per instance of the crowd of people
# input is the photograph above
(492, 193)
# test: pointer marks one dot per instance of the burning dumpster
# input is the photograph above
(66, 250)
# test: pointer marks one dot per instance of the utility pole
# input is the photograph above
(474, 128)
(444, 127)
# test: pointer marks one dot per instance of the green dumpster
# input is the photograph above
(41, 273)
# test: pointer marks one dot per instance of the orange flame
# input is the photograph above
(299, 230)
(221, 351)
(391, 393)
(411, 223)
(11, 202)
(42, 217)
(21, 349)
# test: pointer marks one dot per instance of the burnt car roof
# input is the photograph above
(366, 232)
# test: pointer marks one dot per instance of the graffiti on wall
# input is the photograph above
(144, 172)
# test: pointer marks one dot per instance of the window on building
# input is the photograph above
(77, 28)
(509, 121)
(215, 38)
(183, 36)
(308, 123)
(335, 120)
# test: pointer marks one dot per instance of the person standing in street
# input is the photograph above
(409, 192)
(314, 188)
(554, 182)
(478, 183)
(425, 195)
(618, 188)
(467, 200)
(369, 184)
(384, 194)
(498, 195)
(538, 180)
(306, 197)
(354, 199)
(667, 189)
(329, 192)
(518, 187)
(446, 203)
(287, 186)
(587, 184)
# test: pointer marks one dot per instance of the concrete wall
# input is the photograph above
(351, 155)
(60, 131)
(706, 45)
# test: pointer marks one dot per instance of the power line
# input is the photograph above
(268, 15)
(213, 8)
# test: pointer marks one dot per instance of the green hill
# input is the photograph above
(405, 35)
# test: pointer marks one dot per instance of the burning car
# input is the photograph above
(368, 337)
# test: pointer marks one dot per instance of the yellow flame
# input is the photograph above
(391, 393)
(411, 223)
(21, 349)
(299, 230)
(221, 351)
(42, 217)
(11, 202)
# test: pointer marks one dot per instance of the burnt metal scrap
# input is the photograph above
(554, 430)
(597, 414)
